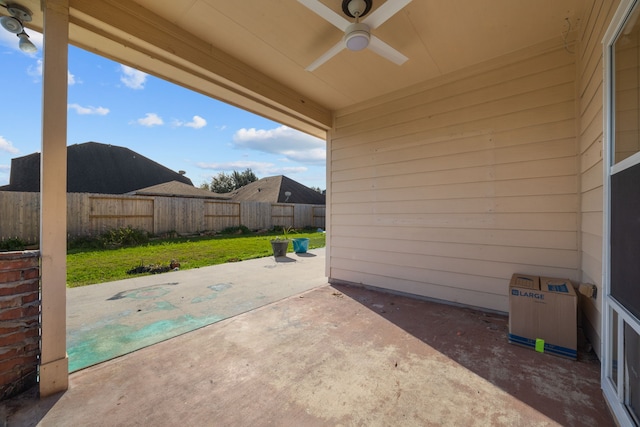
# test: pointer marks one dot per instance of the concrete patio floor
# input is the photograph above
(334, 355)
(110, 319)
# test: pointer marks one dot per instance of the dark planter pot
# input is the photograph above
(301, 245)
(279, 247)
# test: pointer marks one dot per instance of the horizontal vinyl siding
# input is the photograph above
(448, 190)
(590, 98)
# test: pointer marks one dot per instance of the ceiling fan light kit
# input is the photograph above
(357, 35)
(14, 24)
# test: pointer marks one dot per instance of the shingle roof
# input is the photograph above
(178, 189)
(93, 167)
(274, 189)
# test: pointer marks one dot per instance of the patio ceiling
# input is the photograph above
(253, 53)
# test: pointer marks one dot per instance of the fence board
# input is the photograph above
(221, 215)
(19, 216)
(318, 214)
(92, 214)
(256, 215)
(182, 216)
(109, 212)
(283, 215)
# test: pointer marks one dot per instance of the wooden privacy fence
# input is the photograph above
(92, 214)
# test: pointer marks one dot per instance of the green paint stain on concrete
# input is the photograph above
(105, 342)
(148, 292)
(213, 295)
(165, 305)
(219, 287)
(209, 297)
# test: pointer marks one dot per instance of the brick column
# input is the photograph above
(19, 321)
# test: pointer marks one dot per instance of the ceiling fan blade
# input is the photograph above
(386, 51)
(336, 49)
(326, 13)
(384, 12)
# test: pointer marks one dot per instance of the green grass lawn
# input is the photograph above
(90, 266)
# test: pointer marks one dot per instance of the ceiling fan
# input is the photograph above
(357, 35)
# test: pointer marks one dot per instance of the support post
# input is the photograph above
(54, 367)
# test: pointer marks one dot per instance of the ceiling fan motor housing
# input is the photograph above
(357, 36)
(356, 8)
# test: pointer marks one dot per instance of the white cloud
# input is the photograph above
(35, 71)
(100, 111)
(9, 40)
(292, 144)
(231, 166)
(197, 123)
(7, 146)
(290, 170)
(150, 120)
(314, 155)
(132, 78)
(261, 169)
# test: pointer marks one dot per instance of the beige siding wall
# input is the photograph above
(447, 189)
(590, 106)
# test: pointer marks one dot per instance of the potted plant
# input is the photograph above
(280, 245)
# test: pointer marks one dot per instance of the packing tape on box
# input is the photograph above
(539, 345)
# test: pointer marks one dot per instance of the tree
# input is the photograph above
(223, 183)
(240, 179)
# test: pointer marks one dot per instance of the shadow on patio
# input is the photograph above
(335, 355)
(566, 391)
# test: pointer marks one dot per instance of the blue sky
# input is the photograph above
(178, 128)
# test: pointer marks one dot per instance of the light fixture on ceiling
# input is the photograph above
(14, 24)
(357, 35)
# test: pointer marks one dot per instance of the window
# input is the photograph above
(627, 90)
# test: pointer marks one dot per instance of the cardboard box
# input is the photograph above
(543, 314)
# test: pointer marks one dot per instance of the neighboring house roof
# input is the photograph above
(93, 167)
(179, 189)
(275, 189)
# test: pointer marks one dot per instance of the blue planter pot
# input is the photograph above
(300, 245)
